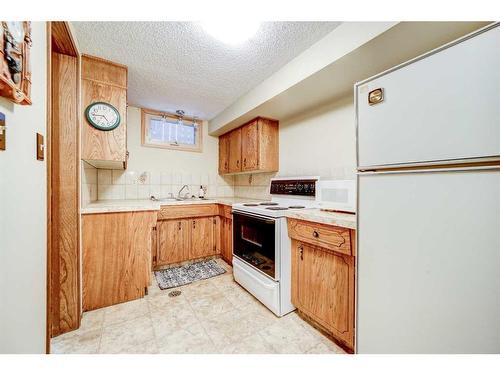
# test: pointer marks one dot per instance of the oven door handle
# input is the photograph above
(265, 220)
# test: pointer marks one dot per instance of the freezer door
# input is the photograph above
(429, 263)
(443, 107)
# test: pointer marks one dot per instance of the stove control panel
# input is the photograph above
(294, 187)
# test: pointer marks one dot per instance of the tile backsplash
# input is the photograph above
(105, 184)
(254, 186)
(117, 184)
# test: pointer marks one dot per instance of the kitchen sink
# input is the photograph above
(181, 199)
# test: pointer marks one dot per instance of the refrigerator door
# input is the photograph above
(444, 106)
(429, 262)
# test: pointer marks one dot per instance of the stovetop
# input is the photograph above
(286, 194)
(276, 208)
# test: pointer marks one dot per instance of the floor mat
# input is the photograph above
(182, 275)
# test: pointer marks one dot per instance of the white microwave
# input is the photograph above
(337, 195)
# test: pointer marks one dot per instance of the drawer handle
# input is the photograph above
(194, 224)
(179, 225)
(301, 251)
(245, 162)
(315, 234)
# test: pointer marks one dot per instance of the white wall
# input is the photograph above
(321, 142)
(158, 172)
(23, 215)
(344, 39)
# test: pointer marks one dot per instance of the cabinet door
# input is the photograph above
(202, 237)
(235, 151)
(323, 288)
(224, 154)
(229, 240)
(154, 246)
(250, 146)
(173, 241)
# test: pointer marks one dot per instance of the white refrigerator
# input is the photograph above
(428, 149)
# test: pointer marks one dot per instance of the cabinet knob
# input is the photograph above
(237, 163)
(179, 225)
(194, 224)
(315, 234)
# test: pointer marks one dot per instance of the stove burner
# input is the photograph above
(277, 208)
(296, 207)
(268, 204)
(250, 204)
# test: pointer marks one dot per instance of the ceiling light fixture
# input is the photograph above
(231, 31)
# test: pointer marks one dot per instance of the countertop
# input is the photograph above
(129, 205)
(323, 217)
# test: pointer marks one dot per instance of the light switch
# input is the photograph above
(40, 147)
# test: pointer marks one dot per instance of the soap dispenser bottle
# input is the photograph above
(201, 194)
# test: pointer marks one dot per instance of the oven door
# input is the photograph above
(255, 242)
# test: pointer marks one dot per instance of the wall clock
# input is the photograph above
(102, 116)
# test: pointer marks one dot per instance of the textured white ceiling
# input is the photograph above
(176, 65)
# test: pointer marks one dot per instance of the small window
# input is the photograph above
(165, 130)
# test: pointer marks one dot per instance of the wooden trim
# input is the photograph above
(151, 112)
(63, 182)
(48, 158)
(100, 82)
(62, 41)
(100, 59)
(248, 122)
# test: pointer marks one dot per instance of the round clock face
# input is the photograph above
(102, 116)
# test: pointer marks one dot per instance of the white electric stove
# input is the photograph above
(261, 246)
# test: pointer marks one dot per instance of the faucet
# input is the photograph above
(180, 191)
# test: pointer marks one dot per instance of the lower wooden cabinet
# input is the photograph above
(185, 239)
(116, 251)
(227, 239)
(192, 232)
(202, 235)
(173, 240)
(323, 284)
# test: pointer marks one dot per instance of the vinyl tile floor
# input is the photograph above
(212, 316)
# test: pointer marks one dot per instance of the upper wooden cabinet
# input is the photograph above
(235, 151)
(252, 147)
(224, 154)
(104, 81)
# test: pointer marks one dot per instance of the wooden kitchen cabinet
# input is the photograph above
(189, 232)
(250, 146)
(116, 251)
(235, 151)
(224, 154)
(202, 237)
(186, 232)
(227, 240)
(173, 241)
(104, 81)
(323, 284)
(253, 147)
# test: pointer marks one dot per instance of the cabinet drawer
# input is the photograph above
(183, 211)
(330, 237)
